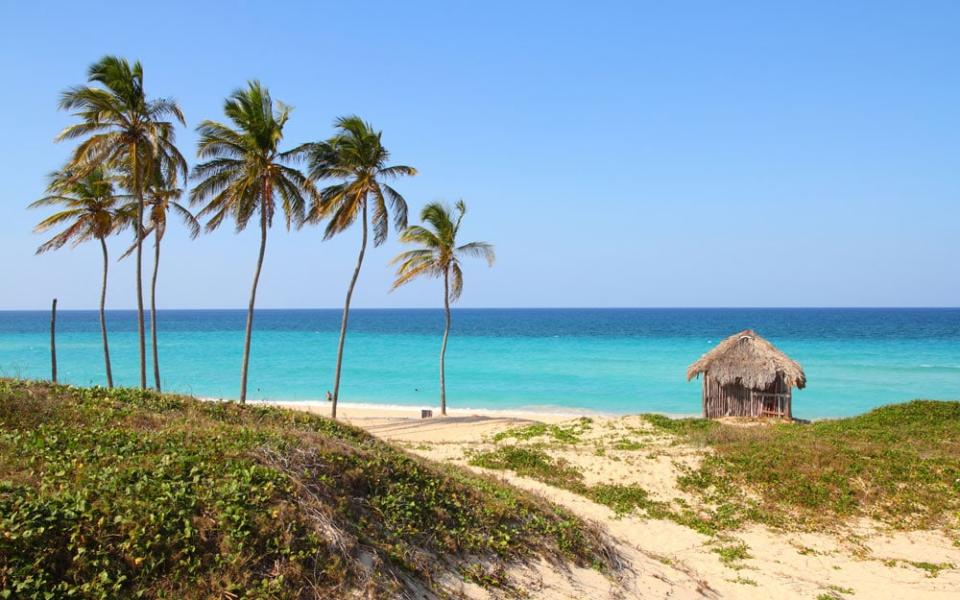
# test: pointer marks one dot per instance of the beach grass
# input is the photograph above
(568, 433)
(129, 493)
(899, 464)
(534, 462)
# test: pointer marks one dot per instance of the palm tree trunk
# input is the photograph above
(53, 341)
(103, 315)
(253, 297)
(443, 347)
(139, 233)
(153, 307)
(346, 315)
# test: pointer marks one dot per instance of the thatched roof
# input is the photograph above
(748, 359)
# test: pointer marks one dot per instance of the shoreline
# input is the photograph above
(365, 411)
(372, 410)
(543, 413)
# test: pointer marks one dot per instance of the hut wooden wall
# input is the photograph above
(735, 400)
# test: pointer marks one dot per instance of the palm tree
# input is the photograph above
(355, 155)
(89, 210)
(121, 128)
(245, 173)
(161, 195)
(439, 256)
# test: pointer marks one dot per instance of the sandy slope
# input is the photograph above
(665, 559)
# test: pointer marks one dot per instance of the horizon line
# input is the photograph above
(338, 308)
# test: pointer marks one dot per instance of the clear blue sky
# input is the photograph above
(617, 154)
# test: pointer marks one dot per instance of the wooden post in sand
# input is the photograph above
(53, 341)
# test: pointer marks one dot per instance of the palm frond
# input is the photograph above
(77, 232)
(456, 282)
(246, 171)
(398, 171)
(380, 217)
(398, 205)
(193, 225)
(480, 250)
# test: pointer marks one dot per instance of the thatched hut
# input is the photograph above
(747, 376)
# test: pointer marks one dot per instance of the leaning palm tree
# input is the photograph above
(246, 173)
(89, 210)
(161, 196)
(356, 157)
(121, 128)
(439, 256)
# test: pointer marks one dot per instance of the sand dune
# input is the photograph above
(859, 559)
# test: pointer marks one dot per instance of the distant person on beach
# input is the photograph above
(329, 396)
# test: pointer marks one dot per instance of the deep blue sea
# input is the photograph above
(606, 360)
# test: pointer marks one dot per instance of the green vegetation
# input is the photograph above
(681, 426)
(129, 493)
(841, 590)
(731, 554)
(835, 592)
(439, 255)
(624, 499)
(569, 433)
(625, 443)
(899, 464)
(932, 569)
(533, 462)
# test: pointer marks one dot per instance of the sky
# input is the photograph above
(644, 154)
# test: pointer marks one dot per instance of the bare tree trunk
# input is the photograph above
(346, 315)
(443, 347)
(53, 341)
(103, 315)
(139, 233)
(253, 298)
(153, 306)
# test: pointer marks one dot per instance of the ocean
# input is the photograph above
(603, 360)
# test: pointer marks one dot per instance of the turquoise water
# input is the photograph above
(607, 360)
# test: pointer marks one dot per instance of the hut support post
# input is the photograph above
(703, 400)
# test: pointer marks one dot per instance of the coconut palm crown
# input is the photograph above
(90, 209)
(357, 158)
(119, 126)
